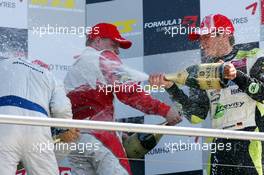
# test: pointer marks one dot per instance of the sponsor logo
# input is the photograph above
(172, 24)
(234, 105)
(253, 88)
(166, 31)
(241, 20)
(7, 4)
(51, 67)
(187, 20)
(253, 7)
(187, 26)
(162, 150)
(23, 63)
(57, 67)
(164, 23)
(190, 21)
(220, 108)
(235, 91)
(220, 111)
(67, 4)
(127, 27)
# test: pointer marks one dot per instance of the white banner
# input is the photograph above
(122, 14)
(52, 39)
(58, 51)
(245, 16)
(13, 13)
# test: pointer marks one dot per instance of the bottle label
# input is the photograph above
(209, 76)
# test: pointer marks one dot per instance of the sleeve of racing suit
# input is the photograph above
(60, 105)
(132, 95)
(142, 101)
(253, 84)
(195, 106)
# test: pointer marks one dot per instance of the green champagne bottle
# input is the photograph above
(203, 76)
(139, 144)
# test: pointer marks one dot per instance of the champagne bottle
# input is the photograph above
(139, 144)
(203, 76)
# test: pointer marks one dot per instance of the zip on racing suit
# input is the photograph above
(237, 107)
(29, 90)
(95, 104)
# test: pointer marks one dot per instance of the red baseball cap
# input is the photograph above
(106, 30)
(213, 23)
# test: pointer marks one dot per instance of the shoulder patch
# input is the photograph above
(254, 88)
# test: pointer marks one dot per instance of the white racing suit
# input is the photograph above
(29, 90)
(105, 148)
(85, 85)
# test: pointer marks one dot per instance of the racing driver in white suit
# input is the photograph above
(29, 90)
